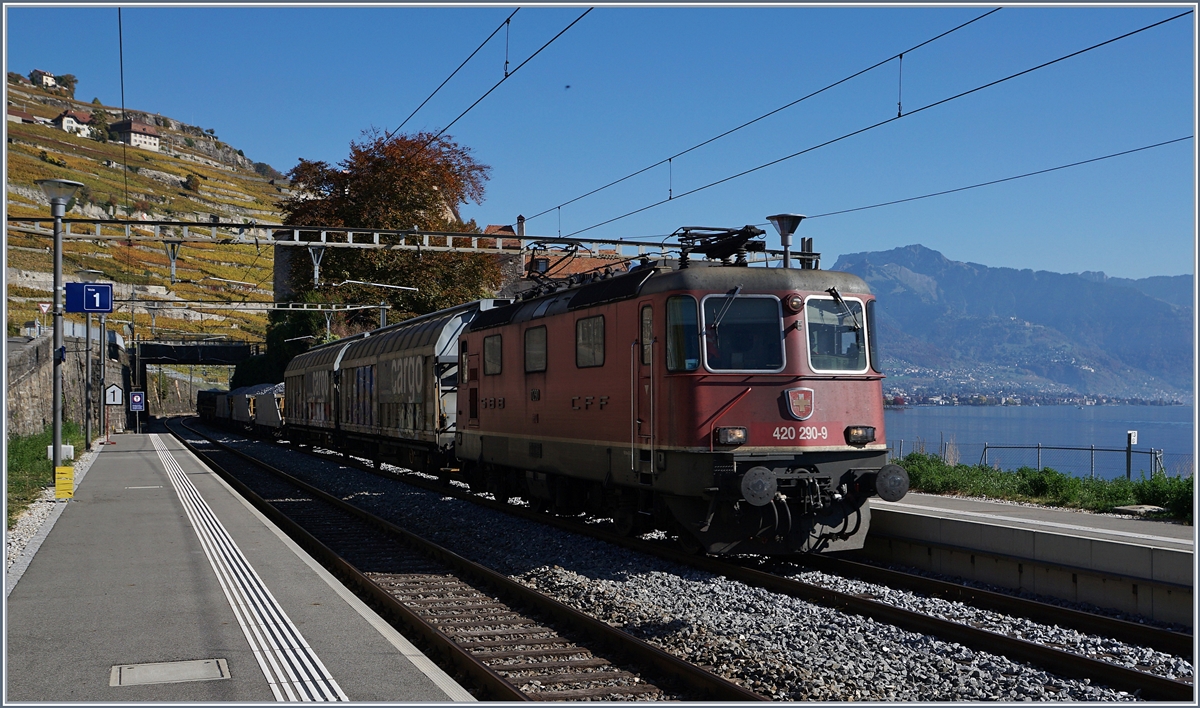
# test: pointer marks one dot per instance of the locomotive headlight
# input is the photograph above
(794, 302)
(860, 434)
(731, 436)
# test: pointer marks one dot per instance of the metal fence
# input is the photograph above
(1107, 463)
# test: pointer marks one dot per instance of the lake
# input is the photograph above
(1167, 428)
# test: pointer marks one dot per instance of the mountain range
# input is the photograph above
(949, 327)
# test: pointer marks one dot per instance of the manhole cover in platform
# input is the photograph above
(169, 672)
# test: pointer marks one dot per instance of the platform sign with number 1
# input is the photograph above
(89, 297)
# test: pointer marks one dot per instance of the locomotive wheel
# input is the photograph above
(690, 544)
(628, 522)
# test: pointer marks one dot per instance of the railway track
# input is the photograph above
(514, 642)
(1056, 660)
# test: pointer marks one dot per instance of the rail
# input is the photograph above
(1059, 661)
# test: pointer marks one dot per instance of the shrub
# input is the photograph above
(1175, 494)
(928, 473)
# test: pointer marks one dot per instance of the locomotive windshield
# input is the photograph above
(743, 333)
(836, 337)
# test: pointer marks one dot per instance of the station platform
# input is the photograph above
(158, 583)
(1141, 566)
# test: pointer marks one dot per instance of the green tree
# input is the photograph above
(192, 182)
(265, 170)
(67, 81)
(100, 125)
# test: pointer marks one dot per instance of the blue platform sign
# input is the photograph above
(89, 297)
(137, 401)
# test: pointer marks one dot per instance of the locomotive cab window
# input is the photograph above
(743, 333)
(491, 355)
(837, 334)
(589, 342)
(535, 350)
(683, 334)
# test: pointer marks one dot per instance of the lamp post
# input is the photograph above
(59, 192)
(786, 225)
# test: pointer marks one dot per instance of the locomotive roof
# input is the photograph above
(646, 280)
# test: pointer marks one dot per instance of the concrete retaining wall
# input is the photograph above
(1140, 579)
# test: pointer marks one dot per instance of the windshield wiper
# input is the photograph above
(721, 315)
(837, 297)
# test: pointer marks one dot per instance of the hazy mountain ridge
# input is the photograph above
(1032, 331)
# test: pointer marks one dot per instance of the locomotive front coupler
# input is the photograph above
(831, 476)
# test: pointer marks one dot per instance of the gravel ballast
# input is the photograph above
(777, 645)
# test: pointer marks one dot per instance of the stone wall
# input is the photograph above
(31, 379)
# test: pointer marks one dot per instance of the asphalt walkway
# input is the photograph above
(158, 583)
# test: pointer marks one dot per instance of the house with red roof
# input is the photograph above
(74, 122)
(136, 134)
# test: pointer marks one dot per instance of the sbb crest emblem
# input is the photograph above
(800, 402)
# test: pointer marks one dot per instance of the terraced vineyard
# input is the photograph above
(195, 176)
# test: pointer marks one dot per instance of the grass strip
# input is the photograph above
(29, 472)
(1049, 487)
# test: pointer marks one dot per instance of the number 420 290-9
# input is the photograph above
(788, 432)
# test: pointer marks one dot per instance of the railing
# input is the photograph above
(1077, 460)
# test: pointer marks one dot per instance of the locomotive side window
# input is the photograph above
(589, 342)
(491, 355)
(837, 340)
(743, 333)
(683, 334)
(872, 347)
(535, 349)
(647, 333)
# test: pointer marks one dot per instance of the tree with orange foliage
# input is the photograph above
(399, 182)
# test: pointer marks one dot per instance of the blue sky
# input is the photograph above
(645, 83)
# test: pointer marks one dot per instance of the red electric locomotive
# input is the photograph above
(739, 407)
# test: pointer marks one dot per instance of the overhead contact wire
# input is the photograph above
(460, 66)
(885, 122)
(765, 115)
(1005, 179)
(506, 78)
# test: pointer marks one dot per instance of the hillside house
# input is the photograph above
(42, 78)
(19, 116)
(137, 134)
(74, 122)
